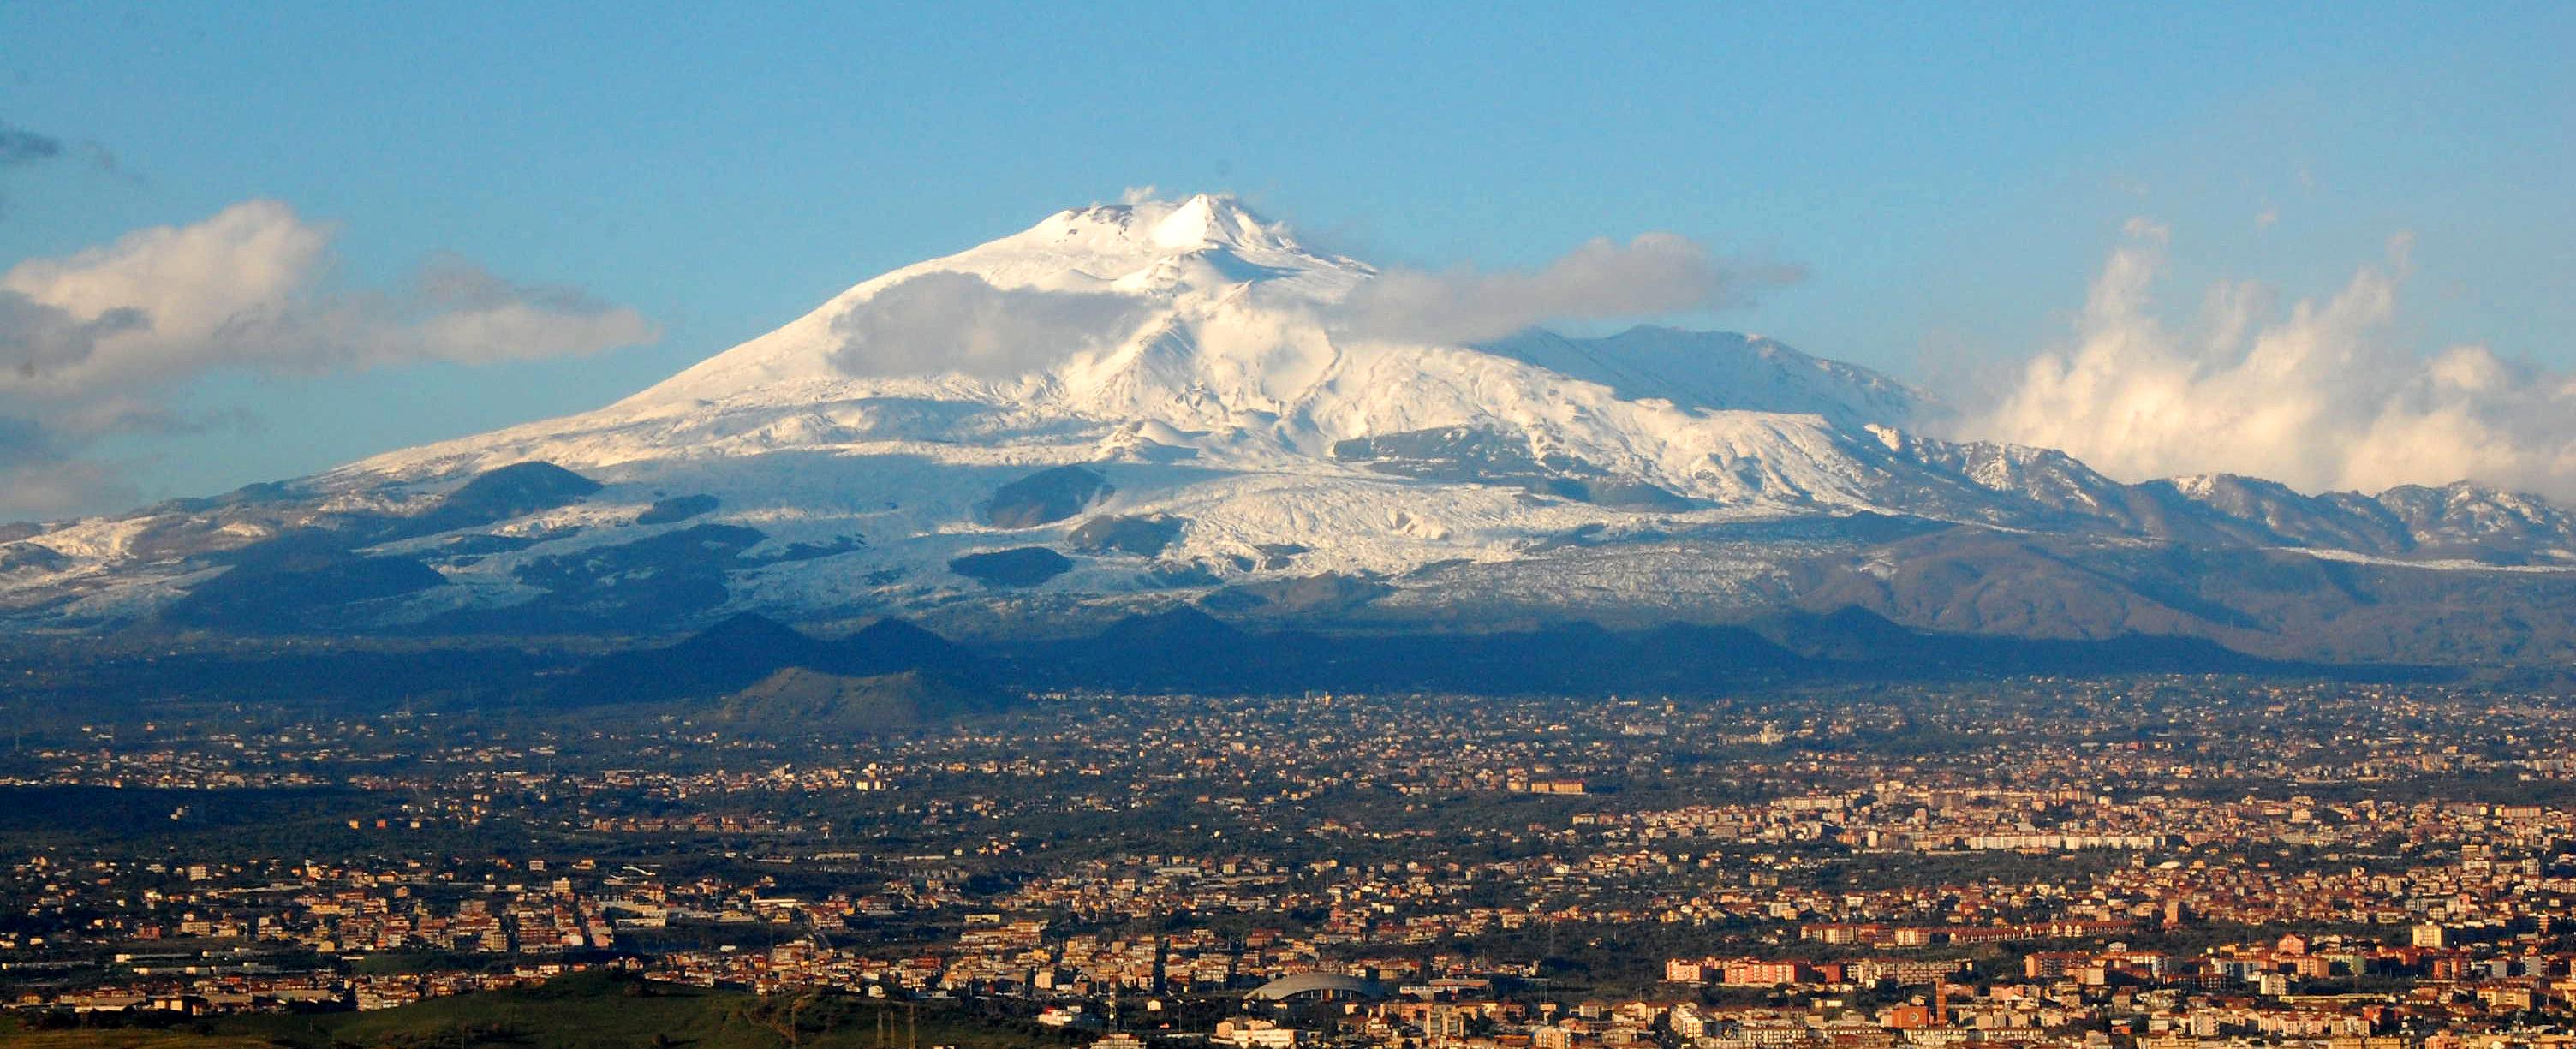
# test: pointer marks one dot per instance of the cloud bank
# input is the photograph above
(92, 344)
(1654, 274)
(2321, 396)
(247, 288)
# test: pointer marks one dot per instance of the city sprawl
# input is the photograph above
(2154, 862)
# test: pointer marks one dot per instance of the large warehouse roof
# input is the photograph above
(1324, 984)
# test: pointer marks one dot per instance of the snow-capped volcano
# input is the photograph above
(1183, 261)
(1155, 402)
(1195, 321)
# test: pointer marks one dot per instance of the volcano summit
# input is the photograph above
(1131, 407)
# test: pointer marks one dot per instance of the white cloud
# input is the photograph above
(1603, 280)
(91, 344)
(2320, 396)
(942, 322)
(248, 288)
(952, 322)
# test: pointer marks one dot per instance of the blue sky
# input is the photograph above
(1951, 176)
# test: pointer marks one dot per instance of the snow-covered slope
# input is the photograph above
(1138, 402)
(1195, 319)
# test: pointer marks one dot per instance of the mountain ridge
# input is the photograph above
(1161, 404)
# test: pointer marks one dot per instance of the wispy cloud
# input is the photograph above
(2320, 395)
(20, 147)
(1657, 273)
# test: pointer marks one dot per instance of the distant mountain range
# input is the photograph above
(1129, 410)
(761, 676)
